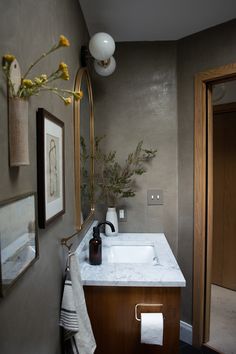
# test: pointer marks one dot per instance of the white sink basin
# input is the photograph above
(125, 253)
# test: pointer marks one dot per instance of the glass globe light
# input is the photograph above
(101, 46)
(105, 70)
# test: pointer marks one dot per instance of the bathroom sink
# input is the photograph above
(125, 253)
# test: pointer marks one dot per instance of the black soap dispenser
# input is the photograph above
(95, 248)
(95, 244)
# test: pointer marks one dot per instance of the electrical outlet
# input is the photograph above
(122, 214)
(155, 197)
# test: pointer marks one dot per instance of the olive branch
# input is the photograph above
(113, 180)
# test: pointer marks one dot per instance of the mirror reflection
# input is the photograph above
(18, 239)
(85, 153)
(84, 140)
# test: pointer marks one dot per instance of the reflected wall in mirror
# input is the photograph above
(84, 148)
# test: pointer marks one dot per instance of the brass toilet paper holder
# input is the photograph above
(136, 309)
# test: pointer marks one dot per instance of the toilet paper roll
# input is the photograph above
(152, 328)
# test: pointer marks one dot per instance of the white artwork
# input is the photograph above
(50, 140)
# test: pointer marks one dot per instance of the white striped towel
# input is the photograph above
(68, 318)
(78, 334)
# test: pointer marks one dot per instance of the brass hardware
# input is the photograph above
(146, 305)
(66, 239)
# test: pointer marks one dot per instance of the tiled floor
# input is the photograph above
(223, 320)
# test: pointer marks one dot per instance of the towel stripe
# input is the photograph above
(68, 282)
(69, 311)
(74, 346)
(69, 318)
(67, 323)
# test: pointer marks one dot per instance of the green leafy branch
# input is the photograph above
(114, 181)
(85, 183)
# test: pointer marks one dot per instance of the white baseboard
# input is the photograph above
(186, 334)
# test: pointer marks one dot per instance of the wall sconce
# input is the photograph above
(101, 48)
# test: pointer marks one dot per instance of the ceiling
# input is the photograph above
(150, 20)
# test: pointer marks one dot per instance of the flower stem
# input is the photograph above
(55, 47)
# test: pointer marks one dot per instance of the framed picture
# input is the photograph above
(18, 238)
(50, 161)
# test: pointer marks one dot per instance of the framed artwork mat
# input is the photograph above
(50, 164)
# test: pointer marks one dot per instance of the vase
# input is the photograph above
(18, 132)
(111, 216)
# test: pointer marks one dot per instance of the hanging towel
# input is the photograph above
(78, 334)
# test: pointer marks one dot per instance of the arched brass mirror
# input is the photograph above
(84, 149)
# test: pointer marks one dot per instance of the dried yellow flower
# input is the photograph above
(78, 95)
(41, 82)
(27, 83)
(63, 41)
(37, 80)
(65, 75)
(67, 101)
(65, 72)
(63, 66)
(43, 77)
(8, 58)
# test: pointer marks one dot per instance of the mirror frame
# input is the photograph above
(83, 74)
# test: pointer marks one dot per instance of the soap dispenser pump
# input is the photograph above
(95, 244)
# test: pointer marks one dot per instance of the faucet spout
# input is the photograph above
(96, 229)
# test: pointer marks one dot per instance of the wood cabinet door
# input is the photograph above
(111, 311)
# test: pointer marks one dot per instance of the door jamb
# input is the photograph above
(201, 209)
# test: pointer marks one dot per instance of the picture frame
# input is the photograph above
(18, 238)
(50, 167)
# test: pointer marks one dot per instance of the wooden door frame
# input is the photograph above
(202, 205)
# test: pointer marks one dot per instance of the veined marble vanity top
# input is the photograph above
(161, 270)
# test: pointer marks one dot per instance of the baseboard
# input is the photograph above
(186, 334)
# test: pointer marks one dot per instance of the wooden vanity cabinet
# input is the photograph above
(112, 314)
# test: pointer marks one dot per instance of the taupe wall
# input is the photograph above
(200, 52)
(29, 314)
(139, 102)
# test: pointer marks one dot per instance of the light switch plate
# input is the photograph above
(155, 197)
(122, 214)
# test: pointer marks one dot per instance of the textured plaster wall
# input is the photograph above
(139, 102)
(30, 312)
(206, 50)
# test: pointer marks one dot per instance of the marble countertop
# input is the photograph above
(163, 273)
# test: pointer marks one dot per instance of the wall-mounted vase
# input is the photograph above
(18, 132)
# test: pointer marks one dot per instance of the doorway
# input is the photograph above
(223, 276)
(203, 199)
